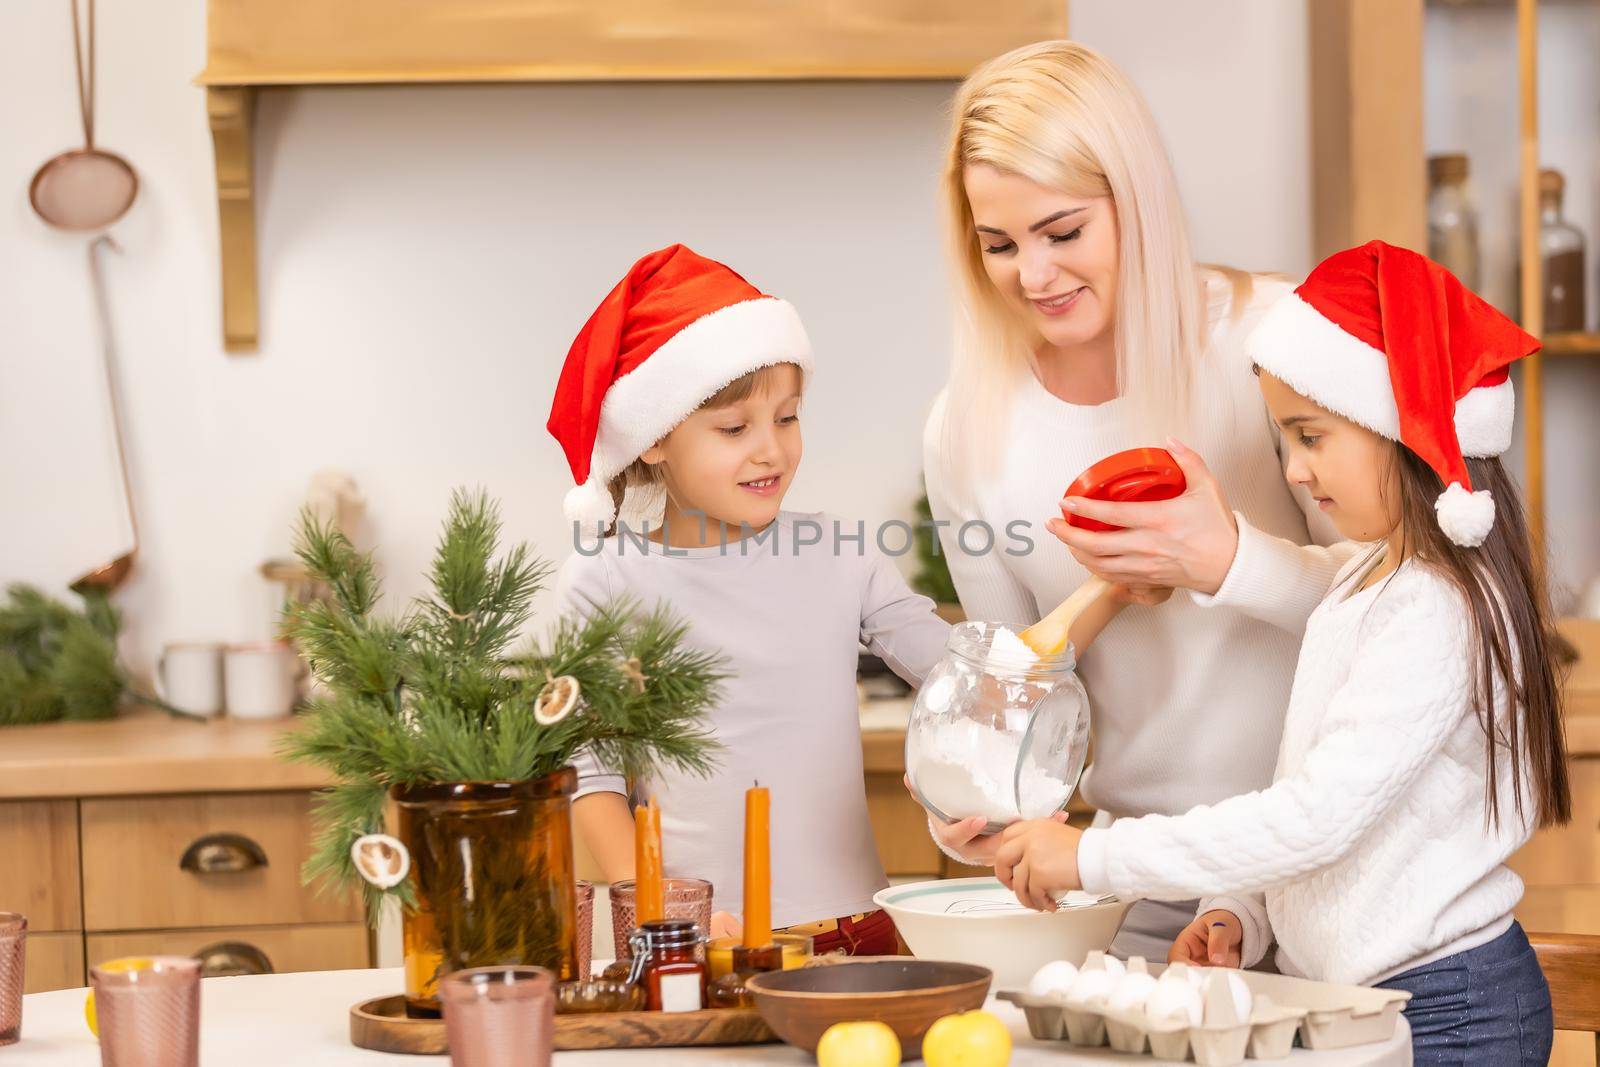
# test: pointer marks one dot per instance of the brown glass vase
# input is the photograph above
(491, 863)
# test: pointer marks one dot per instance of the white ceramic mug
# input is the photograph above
(189, 677)
(262, 680)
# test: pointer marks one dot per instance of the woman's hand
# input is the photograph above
(1038, 860)
(960, 839)
(1214, 939)
(1187, 542)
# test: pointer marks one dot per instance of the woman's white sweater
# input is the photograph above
(1372, 845)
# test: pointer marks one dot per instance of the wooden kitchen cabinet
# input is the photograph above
(145, 835)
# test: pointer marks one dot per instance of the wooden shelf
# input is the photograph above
(1585, 343)
(251, 44)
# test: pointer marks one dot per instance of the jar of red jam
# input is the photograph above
(667, 964)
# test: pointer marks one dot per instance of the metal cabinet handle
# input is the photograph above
(222, 854)
(227, 958)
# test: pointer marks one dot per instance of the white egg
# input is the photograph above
(1235, 988)
(1053, 979)
(1130, 993)
(1174, 1000)
(1090, 988)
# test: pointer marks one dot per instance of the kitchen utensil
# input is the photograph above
(189, 677)
(909, 995)
(980, 921)
(13, 957)
(88, 188)
(261, 680)
(110, 575)
(148, 1011)
(996, 731)
(1138, 475)
(499, 1016)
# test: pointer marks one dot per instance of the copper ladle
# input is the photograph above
(88, 188)
(108, 577)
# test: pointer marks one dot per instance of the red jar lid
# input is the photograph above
(1136, 476)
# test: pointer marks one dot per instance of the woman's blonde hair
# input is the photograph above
(1063, 116)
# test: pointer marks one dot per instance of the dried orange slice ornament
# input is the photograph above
(556, 700)
(382, 860)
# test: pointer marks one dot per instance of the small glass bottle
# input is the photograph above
(666, 963)
(1452, 218)
(1562, 246)
(729, 991)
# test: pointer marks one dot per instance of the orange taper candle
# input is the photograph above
(757, 867)
(649, 896)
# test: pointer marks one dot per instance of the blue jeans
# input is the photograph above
(1488, 1006)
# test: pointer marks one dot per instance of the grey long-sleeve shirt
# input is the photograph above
(789, 617)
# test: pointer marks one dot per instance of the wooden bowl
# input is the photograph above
(908, 994)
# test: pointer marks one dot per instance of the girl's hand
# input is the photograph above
(1146, 595)
(1214, 939)
(726, 924)
(1187, 542)
(1038, 860)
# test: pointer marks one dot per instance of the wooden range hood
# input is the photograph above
(254, 44)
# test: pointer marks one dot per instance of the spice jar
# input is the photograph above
(667, 966)
(996, 730)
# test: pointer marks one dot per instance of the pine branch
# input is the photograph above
(434, 697)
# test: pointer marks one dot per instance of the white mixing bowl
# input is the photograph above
(978, 920)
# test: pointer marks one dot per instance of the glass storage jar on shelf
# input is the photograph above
(1453, 218)
(996, 730)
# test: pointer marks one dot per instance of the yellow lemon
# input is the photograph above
(869, 1044)
(971, 1039)
(127, 963)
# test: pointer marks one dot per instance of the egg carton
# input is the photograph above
(1326, 1016)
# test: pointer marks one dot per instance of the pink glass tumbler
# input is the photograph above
(149, 1015)
(13, 957)
(585, 928)
(684, 898)
(499, 1016)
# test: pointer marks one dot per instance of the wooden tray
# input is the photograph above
(381, 1024)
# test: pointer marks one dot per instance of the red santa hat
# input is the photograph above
(671, 334)
(1391, 340)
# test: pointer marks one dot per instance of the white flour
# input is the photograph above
(968, 769)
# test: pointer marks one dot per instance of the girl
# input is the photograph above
(1084, 323)
(688, 381)
(1422, 744)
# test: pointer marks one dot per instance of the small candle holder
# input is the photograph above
(729, 991)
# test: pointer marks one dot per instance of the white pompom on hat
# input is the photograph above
(666, 339)
(1391, 340)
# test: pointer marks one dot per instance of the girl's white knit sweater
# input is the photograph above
(1372, 845)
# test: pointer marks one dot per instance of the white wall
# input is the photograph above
(427, 254)
(1470, 105)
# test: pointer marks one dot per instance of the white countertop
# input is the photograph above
(303, 1019)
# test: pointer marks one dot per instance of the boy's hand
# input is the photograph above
(1214, 939)
(1038, 860)
(726, 924)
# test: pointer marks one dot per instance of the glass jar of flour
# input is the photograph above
(997, 730)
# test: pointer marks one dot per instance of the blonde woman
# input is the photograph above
(1085, 327)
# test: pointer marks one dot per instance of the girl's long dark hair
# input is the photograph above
(1514, 639)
